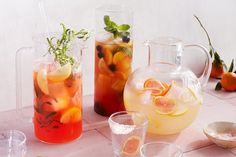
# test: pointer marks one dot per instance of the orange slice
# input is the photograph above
(71, 115)
(164, 105)
(108, 56)
(118, 57)
(124, 64)
(131, 145)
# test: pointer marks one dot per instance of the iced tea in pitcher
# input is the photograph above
(113, 58)
(58, 90)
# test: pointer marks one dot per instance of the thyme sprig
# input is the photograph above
(60, 47)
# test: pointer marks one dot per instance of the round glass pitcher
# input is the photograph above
(53, 88)
(113, 57)
(167, 92)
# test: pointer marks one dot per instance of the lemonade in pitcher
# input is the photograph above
(169, 106)
(166, 91)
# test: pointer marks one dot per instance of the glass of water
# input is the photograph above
(160, 149)
(128, 131)
(12, 143)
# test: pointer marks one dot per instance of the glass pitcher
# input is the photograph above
(113, 57)
(167, 92)
(56, 90)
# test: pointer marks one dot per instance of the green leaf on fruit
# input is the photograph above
(218, 86)
(231, 68)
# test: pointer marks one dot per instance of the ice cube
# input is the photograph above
(104, 37)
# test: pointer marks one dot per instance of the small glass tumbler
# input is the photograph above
(12, 143)
(160, 149)
(128, 131)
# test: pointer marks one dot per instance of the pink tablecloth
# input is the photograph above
(96, 141)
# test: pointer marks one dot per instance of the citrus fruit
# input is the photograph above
(131, 145)
(108, 56)
(216, 71)
(118, 57)
(189, 96)
(180, 110)
(164, 105)
(71, 115)
(124, 64)
(103, 68)
(60, 103)
(158, 88)
(228, 81)
(42, 81)
(61, 73)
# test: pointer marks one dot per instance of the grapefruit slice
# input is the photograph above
(42, 81)
(164, 105)
(71, 115)
(61, 73)
(131, 146)
(158, 88)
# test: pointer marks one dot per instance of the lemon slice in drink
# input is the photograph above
(71, 115)
(61, 73)
(42, 81)
(180, 110)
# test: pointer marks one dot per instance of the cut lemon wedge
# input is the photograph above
(61, 73)
(71, 115)
(131, 146)
(180, 110)
(42, 81)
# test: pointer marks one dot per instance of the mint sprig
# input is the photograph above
(115, 29)
(59, 47)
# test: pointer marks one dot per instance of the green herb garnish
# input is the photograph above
(117, 30)
(59, 47)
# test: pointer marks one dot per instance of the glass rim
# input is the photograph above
(108, 8)
(161, 143)
(15, 132)
(145, 123)
(164, 40)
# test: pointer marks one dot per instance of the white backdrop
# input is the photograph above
(20, 20)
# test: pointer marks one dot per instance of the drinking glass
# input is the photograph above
(12, 143)
(113, 57)
(160, 149)
(128, 130)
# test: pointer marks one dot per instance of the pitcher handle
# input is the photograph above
(18, 77)
(207, 70)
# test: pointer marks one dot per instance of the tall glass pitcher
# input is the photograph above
(166, 91)
(113, 57)
(57, 87)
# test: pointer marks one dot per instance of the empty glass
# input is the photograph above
(12, 143)
(128, 130)
(160, 149)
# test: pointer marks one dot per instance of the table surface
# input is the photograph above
(96, 141)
